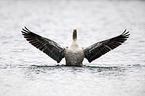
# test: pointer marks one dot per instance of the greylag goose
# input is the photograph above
(74, 55)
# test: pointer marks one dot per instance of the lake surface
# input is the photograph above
(25, 71)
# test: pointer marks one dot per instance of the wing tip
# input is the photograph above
(126, 33)
(25, 30)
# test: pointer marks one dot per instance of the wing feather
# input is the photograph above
(48, 46)
(98, 49)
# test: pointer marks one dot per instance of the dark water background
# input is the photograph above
(25, 71)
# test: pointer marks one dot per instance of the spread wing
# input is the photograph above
(48, 46)
(98, 49)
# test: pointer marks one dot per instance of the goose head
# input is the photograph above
(74, 34)
(74, 44)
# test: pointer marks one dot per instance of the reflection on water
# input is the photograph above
(75, 68)
(38, 69)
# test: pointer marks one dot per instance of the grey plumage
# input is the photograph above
(48, 46)
(74, 54)
(98, 49)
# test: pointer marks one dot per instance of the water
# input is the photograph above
(25, 71)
